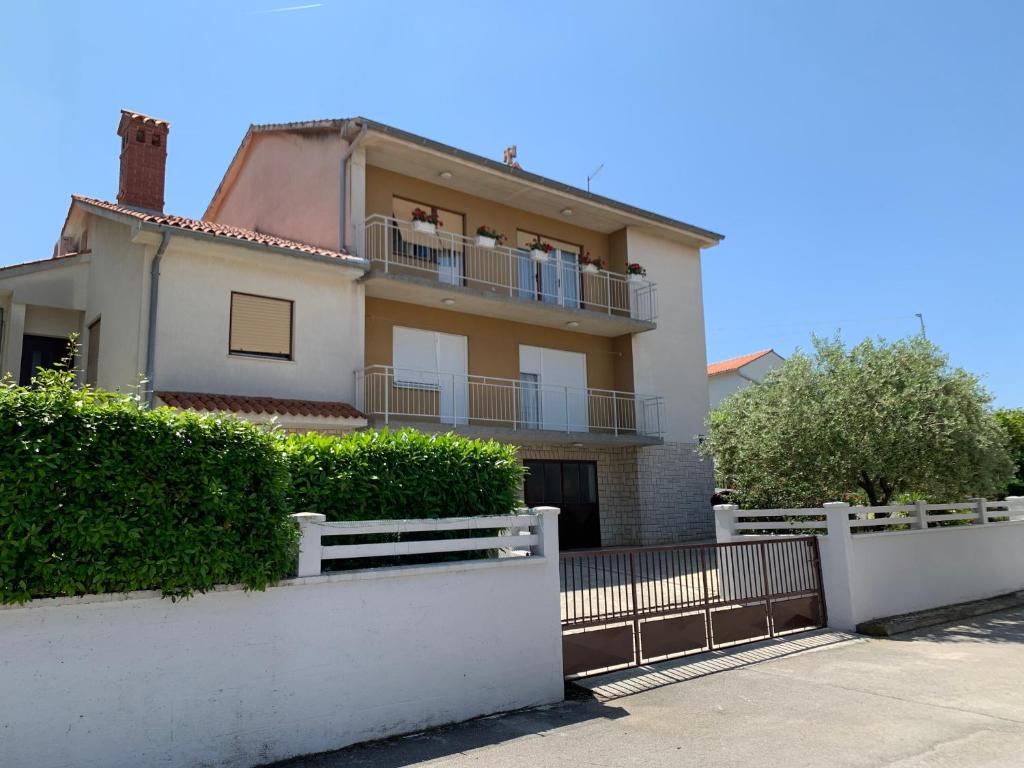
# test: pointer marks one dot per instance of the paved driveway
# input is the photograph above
(951, 696)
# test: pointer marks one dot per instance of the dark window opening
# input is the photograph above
(140, 135)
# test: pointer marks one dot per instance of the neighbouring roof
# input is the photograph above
(211, 228)
(735, 363)
(341, 124)
(271, 406)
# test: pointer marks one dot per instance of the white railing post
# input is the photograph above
(725, 522)
(547, 533)
(1015, 507)
(981, 507)
(921, 510)
(309, 542)
(837, 567)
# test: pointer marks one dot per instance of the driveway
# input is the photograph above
(949, 696)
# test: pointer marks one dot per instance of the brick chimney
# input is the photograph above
(143, 161)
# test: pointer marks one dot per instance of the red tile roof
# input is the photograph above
(272, 406)
(212, 228)
(735, 363)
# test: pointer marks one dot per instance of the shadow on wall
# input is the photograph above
(446, 741)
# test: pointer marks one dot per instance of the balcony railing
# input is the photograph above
(400, 394)
(451, 259)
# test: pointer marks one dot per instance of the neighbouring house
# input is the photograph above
(738, 373)
(337, 281)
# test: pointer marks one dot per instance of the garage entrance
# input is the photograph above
(572, 487)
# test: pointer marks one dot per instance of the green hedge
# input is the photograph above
(405, 474)
(98, 494)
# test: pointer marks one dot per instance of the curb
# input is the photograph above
(906, 622)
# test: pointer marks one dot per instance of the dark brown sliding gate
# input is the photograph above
(626, 607)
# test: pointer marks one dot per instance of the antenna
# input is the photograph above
(920, 317)
(594, 175)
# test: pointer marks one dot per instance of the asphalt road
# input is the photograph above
(949, 696)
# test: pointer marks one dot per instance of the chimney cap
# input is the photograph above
(128, 116)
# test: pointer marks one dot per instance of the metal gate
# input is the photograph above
(631, 606)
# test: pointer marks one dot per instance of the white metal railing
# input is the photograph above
(397, 246)
(463, 399)
(518, 534)
(733, 521)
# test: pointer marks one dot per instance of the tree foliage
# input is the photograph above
(875, 421)
(1012, 421)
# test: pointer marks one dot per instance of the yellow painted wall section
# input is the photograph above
(494, 344)
(382, 185)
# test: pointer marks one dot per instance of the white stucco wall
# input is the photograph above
(234, 678)
(724, 384)
(118, 294)
(193, 318)
(671, 360)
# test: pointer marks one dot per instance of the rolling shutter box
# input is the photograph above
(261, 326)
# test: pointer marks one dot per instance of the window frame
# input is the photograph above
(262, 355)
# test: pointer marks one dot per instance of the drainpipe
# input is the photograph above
(154, 294)
(343, 188)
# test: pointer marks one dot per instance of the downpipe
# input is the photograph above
(343, 185)
(154, 295)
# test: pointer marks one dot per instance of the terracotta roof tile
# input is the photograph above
(213, 228)
(272, 406)
(735, 363)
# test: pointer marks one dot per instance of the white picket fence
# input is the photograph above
(732, 522)
(878, 562)
(520, 534)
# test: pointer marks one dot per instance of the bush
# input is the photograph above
(405, 474)
(98, 494)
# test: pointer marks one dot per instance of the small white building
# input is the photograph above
(738, 373)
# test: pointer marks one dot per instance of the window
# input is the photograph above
(427, 360)
(92, 358)
(558, 280)
(261, 326)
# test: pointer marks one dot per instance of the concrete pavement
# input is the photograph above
(948, 696)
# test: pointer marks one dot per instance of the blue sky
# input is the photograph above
(864, 159)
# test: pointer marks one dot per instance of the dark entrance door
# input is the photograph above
(572, 487)
(40, 352)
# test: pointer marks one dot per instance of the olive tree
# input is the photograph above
(1012, 420)
(875, 421)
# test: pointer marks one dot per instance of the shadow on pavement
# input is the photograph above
(627, 682)
(580, 706)
(1003, 627)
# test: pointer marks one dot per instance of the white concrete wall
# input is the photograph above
(233, 678)
(875, 575)
(671, 360)
(193, 318)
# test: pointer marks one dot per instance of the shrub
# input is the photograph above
(98, 494)
(384, 475)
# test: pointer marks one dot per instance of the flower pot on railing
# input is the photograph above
(539, 255)
(426, 227)
(634, 278)
(486, 242)
(590, 269)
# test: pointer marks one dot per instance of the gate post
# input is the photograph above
(725, 521)
(309, 544)
(837, 567)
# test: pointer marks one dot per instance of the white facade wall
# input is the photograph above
(236, 678)
(671, 360)
(118, 294)
(193, 319)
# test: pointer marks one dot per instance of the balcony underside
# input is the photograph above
(518, 436)
(427, 292)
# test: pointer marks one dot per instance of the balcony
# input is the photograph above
(520, 411)
(457, 272)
